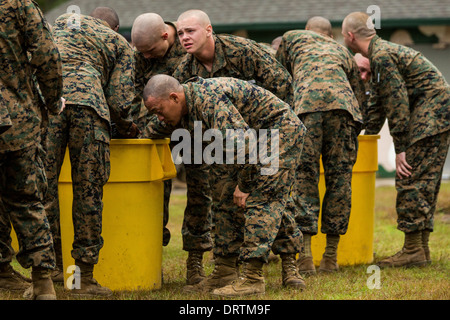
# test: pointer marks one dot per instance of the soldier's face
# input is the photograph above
(168, 110)
(193, 36)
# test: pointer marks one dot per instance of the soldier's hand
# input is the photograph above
(133, 131)
(403, 168)
(240, 197)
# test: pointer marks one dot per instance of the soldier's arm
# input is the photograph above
(44, 56)
(139, 84)
(374, 115)
(393, 94)
(270, 74)
(156, 129)
(119, 91)
(282, 55)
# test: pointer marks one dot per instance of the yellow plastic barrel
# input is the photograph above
(131, 257)
(356, 246)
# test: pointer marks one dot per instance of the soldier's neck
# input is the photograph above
(206, 57)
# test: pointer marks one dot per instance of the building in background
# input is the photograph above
(422, 25)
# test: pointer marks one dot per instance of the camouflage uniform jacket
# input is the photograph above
(325, 75)
(27, 48)
(146, 68)
(98, 67)
(230, 103)
(240, 58)
(411, 92)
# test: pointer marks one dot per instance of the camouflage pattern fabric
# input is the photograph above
(264, 225)
(98, 67)
(27, 47)
(411, 93)
(29, 58)
(325, 75)
(86, 135)
(22, 187)
(5, 119)
(329, 97)
(228, 103)
(334, 135)
(417, 195)
(240, 58)
(98, 87)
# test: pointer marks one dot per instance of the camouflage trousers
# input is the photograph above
(417, 195)
(22, 188)
(267, 223)
(334, 136)
(87, 137)
(196, 228)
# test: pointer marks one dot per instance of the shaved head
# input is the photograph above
(161, 86)
(107, 14)
(320, 25)
(165, 97)
(360, 24)
(200, 16)
(147, 27)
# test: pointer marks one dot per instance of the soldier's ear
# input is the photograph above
(209, 30)
(174, 96)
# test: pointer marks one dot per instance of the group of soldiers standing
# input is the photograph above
(81, 83)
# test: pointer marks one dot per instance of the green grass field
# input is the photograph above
(350, 283)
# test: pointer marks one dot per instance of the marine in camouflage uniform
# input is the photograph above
(196, 230)
(248, 231)
(235, 57)
(328, 93)
(27, 48)
(98, 73)
(415, 98)
(148, 65)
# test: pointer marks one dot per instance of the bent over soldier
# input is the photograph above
(415, 98)
(159, 52)
(210, 55)
(250, 212)
(327, 96)
(27, 53)
(98, 74)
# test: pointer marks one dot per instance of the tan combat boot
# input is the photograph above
(10, 279)
(289, 273)
(251, 283)
(194, 268)
(426, 248)
(42, 285)
(225, 271)
(305, 262)
(411, 255)
(329, 258)
(88, 285)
